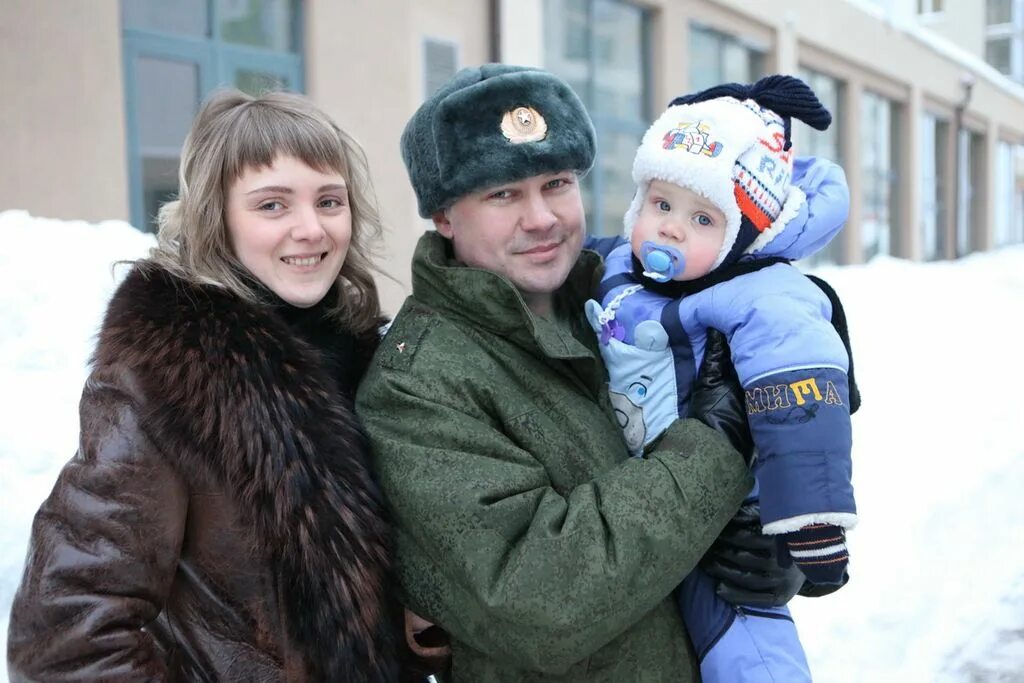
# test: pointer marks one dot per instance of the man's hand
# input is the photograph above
(754, 569)
(745, 562)
(429, 649)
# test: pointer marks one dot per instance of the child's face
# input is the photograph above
(675, 216)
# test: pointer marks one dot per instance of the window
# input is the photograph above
(267, 24)
(575, 27)
(440, 62)
(1016, 227)
(810, 142)
(825, 144)
(970, 189)
(997, 53)
(998, 12)
(1008, 219)
(175, 54)
(600, 48)
(1004, 36)
(717, 57)
(187, 17)
(1012, 230)
(935, 187)
(929, 6)
(878, 174)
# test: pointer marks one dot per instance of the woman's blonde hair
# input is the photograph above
(234, 132)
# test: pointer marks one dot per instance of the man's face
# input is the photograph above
(531, 231)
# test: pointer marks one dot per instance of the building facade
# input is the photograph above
(926, 96)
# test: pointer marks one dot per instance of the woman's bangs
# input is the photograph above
(263, 133)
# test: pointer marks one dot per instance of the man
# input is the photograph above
(525, 529)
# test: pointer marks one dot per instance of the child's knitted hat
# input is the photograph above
(731, 144)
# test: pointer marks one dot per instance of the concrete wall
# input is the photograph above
(62, 109)
(522, 32)
(961, 22)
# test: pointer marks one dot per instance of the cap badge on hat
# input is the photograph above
(692, 137)
(523, 124)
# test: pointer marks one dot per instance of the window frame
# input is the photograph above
(1012, 30)
(217, 63)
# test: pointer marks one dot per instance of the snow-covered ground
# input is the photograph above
(55, 279)
(937, 593)
(937, 560)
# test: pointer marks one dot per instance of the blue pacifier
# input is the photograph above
(661, 263)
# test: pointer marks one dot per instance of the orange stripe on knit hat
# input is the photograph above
(750, 209)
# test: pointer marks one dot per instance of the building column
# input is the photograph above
(950, 188)
(784, 53)
(670, 54)
(851, 244)
(907, 221)
(983, 231)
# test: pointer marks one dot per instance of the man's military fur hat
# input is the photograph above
(494, 124)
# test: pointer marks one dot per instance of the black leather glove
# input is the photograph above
(717, 399)
(745, 563)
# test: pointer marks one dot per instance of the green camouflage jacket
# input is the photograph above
(524, 528)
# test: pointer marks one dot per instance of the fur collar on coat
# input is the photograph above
(236, 398)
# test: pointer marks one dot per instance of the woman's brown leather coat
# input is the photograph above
(219, 521)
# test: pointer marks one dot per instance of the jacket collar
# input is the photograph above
(490, 301)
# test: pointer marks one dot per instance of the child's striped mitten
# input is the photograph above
(819, 550)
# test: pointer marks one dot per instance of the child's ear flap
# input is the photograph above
(593, 311)
(650, 336)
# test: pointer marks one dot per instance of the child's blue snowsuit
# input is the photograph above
(792, 365)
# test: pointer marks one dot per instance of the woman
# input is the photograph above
(219, 521)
